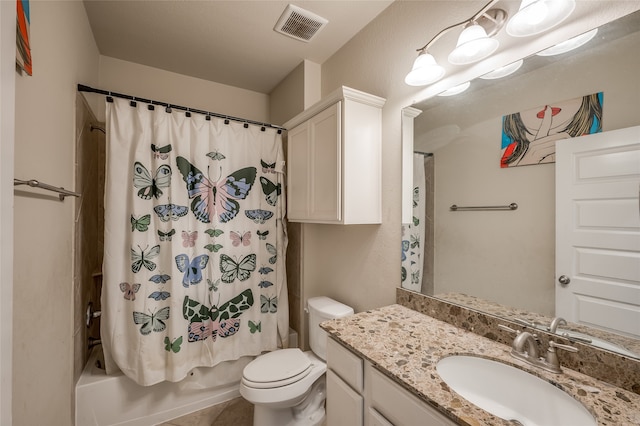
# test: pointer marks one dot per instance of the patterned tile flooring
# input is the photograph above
(236, 412)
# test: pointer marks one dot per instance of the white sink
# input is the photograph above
(510, 393)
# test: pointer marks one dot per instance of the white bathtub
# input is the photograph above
(117, 400)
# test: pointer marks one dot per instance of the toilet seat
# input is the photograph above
(284, 395)
(276, 369)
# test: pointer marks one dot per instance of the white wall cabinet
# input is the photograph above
(334, 160)
(358, 394)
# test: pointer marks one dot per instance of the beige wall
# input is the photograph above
(509, 257)
(7, 128)
(360, 264)
(286, 100)
(152, 83)
(64, 53)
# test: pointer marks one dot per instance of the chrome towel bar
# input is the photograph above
(455, 208)
(37, 184)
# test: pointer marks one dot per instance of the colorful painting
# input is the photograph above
(23, 47)
(529, 137)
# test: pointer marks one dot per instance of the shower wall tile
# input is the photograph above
(89, 229)
(429, 237)
(294, 273)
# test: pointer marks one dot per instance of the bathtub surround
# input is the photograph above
(116, 399)
(603, 365)
(405, 345)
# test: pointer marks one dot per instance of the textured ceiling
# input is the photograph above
(229, 42)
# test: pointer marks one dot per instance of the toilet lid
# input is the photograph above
(274, 368)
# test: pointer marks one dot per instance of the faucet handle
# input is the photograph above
(527, 323)
(508, 329)
(568, 348)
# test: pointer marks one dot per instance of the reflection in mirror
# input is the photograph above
(504, 261)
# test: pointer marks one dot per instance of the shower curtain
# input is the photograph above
(194, 242)
(413, 233)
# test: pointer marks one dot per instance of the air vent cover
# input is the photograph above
(300, 24)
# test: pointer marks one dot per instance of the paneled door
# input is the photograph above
(598, 230)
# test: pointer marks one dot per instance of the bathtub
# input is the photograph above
(117, 400)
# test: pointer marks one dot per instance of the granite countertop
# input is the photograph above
(406, 345)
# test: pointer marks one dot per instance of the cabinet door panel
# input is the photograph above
(344, 405)
(297, 166)
(376, 419)
(326, 159)
(346, 364)
(397, 405)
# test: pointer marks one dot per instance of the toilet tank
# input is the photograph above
(322, 309)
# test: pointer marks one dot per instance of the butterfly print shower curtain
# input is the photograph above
(194, 242)
(413, 234)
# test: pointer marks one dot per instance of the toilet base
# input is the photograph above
(310, 412)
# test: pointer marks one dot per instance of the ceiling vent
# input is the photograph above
(300, 24)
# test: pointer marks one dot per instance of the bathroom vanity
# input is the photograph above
(359, 393)
(382, 371)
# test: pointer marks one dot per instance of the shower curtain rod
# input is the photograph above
(83, 88)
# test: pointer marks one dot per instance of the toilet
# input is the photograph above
(287, 386)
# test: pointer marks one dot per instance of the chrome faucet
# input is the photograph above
(555, 323)
(525, 348)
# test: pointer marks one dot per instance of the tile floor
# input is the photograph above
(236, 412)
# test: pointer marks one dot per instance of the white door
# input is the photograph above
(598, 230)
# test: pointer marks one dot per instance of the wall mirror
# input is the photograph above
(504, 261)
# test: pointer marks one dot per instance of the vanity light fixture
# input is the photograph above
(456, 90)
(503, 71)
(572, 43)
(536, 16)
(474, 44)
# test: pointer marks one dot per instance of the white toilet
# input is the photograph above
(287, 386)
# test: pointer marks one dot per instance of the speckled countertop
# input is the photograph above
(406, 345)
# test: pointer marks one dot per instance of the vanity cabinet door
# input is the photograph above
(346, 364)
(376, 419)
(344, 405)
(396, 404)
